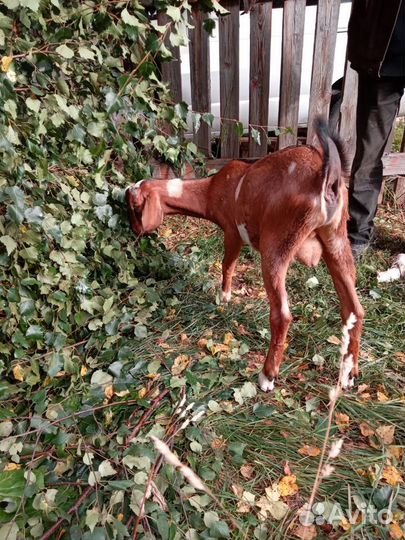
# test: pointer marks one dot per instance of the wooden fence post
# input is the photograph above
(171, 71)
(229, 78)
(347, 118)
(200, 77)
(260, 38)
(322, 69)
(290, 82)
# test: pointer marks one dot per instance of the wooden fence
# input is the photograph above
(260, 14)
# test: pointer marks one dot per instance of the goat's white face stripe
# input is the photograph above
(291, 167)
(237, 191)
(244, 234)
(175, 187)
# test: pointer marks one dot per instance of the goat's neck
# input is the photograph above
(191, 202)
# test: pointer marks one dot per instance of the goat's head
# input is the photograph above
(144, 208)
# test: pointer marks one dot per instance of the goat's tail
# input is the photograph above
(335, 166)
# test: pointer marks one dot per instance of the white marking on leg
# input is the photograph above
(285, 309)
(238, 187)
(351, 382)
(244, 234)
(292, 167)
(175, 187)
(265, 384)
(225, 297)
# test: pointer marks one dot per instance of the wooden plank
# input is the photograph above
(290, 84)
(229, 78)
(400, 191)
(394, 164)
(347, 119)
(322, 69)
(260, 38)
(171, 71)
(200, 77)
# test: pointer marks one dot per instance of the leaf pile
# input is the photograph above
(82, 114)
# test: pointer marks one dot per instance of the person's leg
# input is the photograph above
(377, 106)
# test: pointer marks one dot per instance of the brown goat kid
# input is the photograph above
(288, 205)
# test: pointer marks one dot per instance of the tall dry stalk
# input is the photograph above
(325, 469)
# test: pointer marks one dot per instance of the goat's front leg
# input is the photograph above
(339, 260)
(274, 274)
(232, 245)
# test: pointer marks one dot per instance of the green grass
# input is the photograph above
(301, 397)
(265, 431)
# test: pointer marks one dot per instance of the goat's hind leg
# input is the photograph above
(339, 260)
(274, 274)
(232, 247)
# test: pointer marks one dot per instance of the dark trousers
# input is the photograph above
(377, 106)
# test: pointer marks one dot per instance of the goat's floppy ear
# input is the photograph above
(152, 213)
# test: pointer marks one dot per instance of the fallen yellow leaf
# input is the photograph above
(288, 486)
(219, 347)
(386, 434)
(396, 452)
(334, 340)
(342, 421)
(12, 467)
(366, 430)
(181, 362)
(392, 476)
(142, 392)
(382, 397)
(120, 517)
(396, 532)
(109, 391)
(345, 524)
(272, 493)
(122, 393)
(311, 451)
(247, 471)
(228, 337)
(5, 63)
(362, 388)
(83, 370)
(264, 504)
(18, 373)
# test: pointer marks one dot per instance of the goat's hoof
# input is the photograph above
(225, 297)
(265, 384)
(350, 383)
